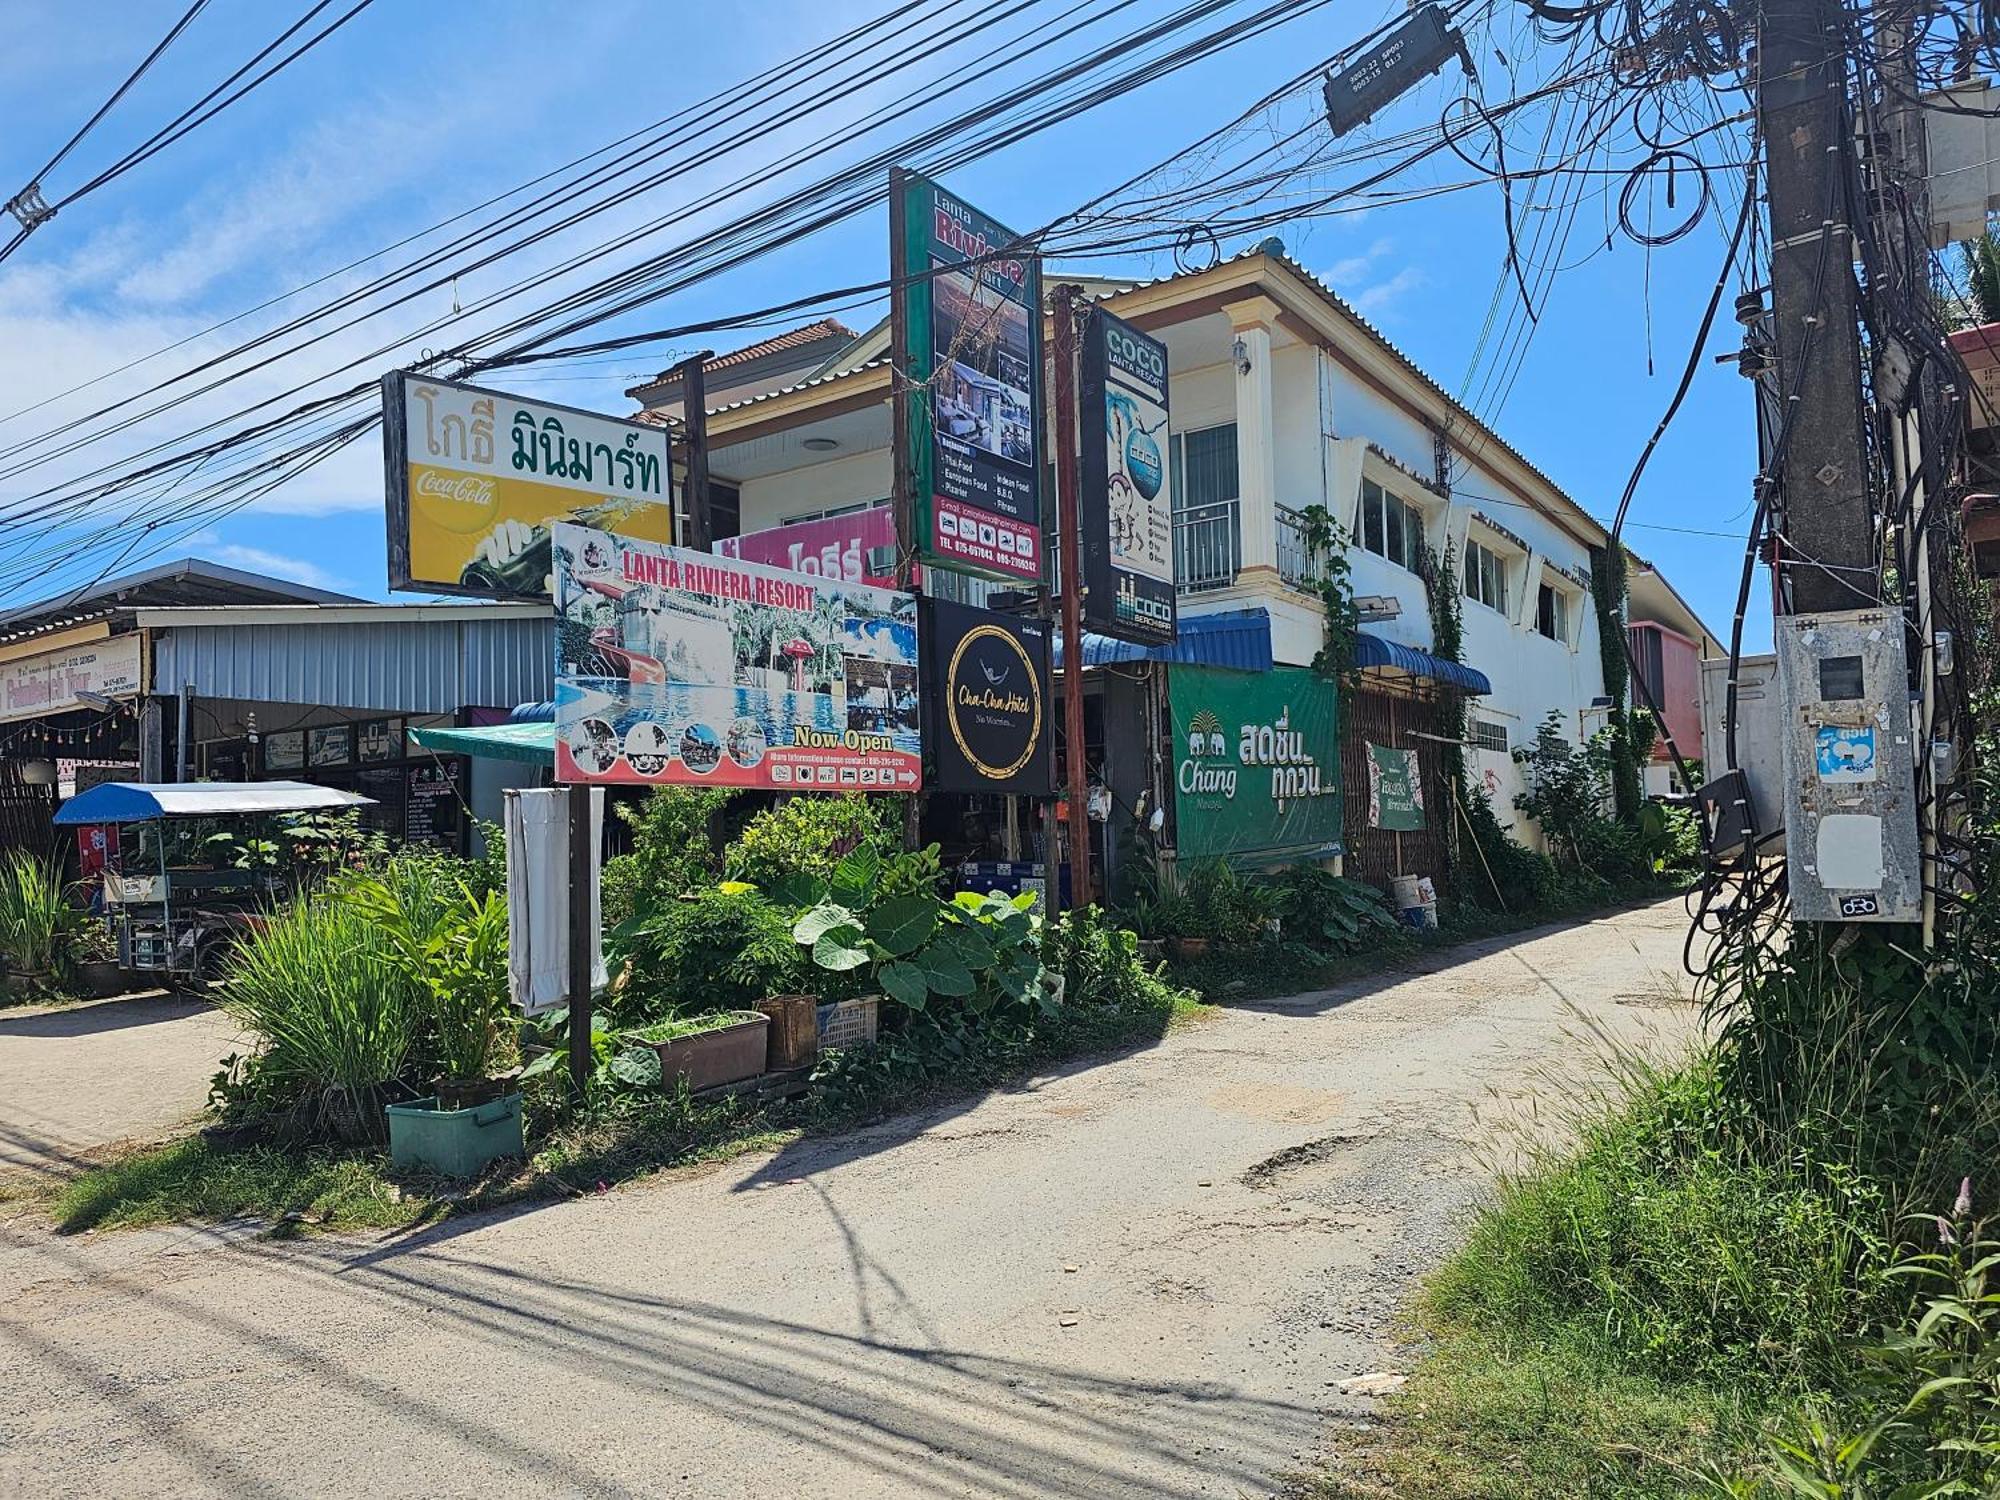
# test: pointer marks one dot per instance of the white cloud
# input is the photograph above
(257, 560)
(1380, 300)
(1356, 267)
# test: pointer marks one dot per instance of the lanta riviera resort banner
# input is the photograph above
(680, 667)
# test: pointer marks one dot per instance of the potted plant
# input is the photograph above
(1145, 916)
(707, 1051)
(458, 961)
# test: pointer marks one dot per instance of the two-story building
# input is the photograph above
(1283, 398)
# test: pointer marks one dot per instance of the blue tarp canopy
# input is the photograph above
(142, 802)
(1241, 639)
(1236, 638)
(1394, 656)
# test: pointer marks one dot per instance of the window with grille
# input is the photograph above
(1485, 576)
(1204, 469)
(1488, 735)
(1552, 613)
(1390, 527)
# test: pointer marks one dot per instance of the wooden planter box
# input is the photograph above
(709, 1059)
(794, 1041)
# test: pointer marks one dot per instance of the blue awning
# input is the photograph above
(143, 801)
(1239, 639)
(1394, 656)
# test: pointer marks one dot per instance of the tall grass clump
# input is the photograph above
(333, 1021)
(37, 922)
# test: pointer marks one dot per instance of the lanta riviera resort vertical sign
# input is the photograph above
(476, 479)
(1256, 763)
(679, 667)
(1126, 506)
(973, 359)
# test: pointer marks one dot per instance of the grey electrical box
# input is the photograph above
(1758, 720)
(1850, 803)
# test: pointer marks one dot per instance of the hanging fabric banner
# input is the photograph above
(1395, 790)
(1257, 764)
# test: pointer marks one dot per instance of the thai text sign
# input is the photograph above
(674, 666)
(989, 713)
(1256, 763)
(1126, 509)
(1395, 789)
(476, 479)
(837, 547)
(973, 358)
(50, 682)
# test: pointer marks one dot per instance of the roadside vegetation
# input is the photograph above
(1761, 1272)
(381, 980)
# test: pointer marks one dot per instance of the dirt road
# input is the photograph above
(1142, 1278)
(76, 1078)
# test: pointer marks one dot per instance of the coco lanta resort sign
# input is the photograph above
(1126, 506)
(989, 728)
(972, 354)
(477, 479)
(1257, 763)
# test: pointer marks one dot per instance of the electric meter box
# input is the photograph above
(1851, 843)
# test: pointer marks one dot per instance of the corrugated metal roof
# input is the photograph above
(1239, 639)
(1384, 654)
(436, 665)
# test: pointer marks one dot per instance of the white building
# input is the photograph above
(1282, 398)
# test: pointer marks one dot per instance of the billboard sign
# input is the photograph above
(1126, 509)
(1256, 764)
(52, 681)
(476, 479)
(838, 547)
(990, 712)
(972, 357)
(676, 667)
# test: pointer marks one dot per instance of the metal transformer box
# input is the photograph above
(1851, 844)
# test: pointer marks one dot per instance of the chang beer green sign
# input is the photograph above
(1256, 764)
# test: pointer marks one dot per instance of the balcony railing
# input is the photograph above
(1294, 556)
(1208, 546)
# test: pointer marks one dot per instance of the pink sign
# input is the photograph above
(835, 548)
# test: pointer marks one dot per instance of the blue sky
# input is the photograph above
(416, 111)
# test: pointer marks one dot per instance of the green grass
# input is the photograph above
(202, 1180)
(1630, 1306)
(674, 1028)
(1486, 1417)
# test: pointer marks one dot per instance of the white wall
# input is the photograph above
(852, 478)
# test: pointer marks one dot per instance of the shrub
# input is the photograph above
(719, 949)
(671, 852)
(39, 929)
(809, 835)
(1499, 869)
(334, 1022)
(1331, 912)
(453, 956)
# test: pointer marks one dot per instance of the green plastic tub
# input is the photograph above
(456, 1142)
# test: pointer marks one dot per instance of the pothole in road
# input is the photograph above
(1287, 1163)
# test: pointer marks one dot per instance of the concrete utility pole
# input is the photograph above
(1827, 552)
(1063, 398)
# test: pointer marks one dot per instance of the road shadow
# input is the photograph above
(820, 1151)
(95, 1017)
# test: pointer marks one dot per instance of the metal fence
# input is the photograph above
(1294, 557)
(1208, 546)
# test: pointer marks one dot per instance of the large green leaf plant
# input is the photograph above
(883, 915)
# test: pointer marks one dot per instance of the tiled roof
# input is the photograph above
(794, 338)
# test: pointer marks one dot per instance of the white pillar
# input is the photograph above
(1251, 322)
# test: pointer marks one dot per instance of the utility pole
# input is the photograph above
(1063, 302)
(1826, 558)
(694, 420)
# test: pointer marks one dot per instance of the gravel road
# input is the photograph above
(1144, 1277)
